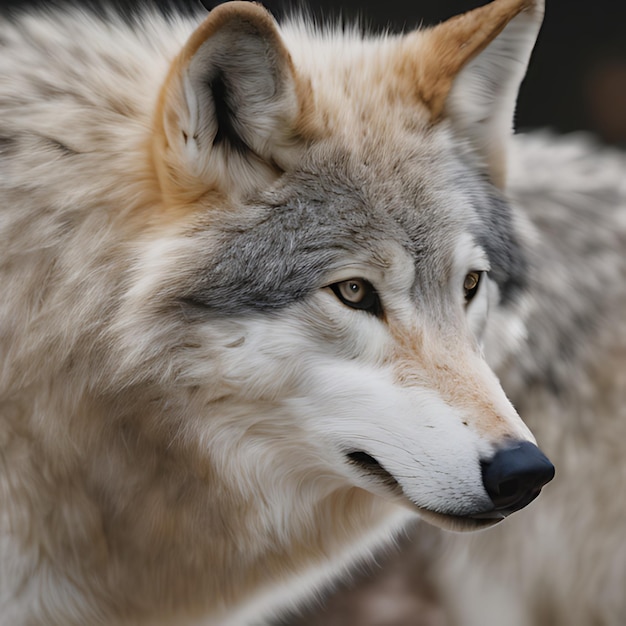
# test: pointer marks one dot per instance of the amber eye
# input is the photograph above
(470, 285)
(358, 293)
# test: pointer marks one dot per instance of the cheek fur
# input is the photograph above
(337, 329)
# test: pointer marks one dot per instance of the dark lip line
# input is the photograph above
(460, 522)
(373, 468)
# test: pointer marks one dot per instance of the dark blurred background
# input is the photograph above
(577, 80)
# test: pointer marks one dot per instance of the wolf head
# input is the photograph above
(331, 243)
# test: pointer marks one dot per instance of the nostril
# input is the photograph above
(508, 488)
(515, 475)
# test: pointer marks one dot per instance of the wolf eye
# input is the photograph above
(358, 294)
(471, 284)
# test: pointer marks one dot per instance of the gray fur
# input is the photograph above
(290, 246)
(295, 235)
(497, 235)
(579, 264)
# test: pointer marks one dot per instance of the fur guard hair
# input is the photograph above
(254, 278)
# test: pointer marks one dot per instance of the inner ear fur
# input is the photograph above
(468, 70)
(228, 108)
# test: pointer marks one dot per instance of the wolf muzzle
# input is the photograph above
(514, 476)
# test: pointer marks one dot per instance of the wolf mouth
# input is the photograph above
(461, 523)
(370, 466)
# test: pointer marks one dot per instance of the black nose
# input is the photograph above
(515, 475)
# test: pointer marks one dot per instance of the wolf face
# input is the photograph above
(346, 247)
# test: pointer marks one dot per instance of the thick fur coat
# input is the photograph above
(253, 282)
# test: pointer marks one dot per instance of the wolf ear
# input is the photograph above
(228, 106)
(469, 70)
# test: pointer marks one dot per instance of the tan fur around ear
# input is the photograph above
(445, 49)
(183, 181)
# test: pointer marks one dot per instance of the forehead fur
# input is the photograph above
(370, 167)
(366, 101)
(356, 81)
(342, 206)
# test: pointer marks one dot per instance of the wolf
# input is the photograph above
(253, 278)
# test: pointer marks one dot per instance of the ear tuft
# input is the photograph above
(229, 105)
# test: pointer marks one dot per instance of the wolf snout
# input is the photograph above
(514, 476)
